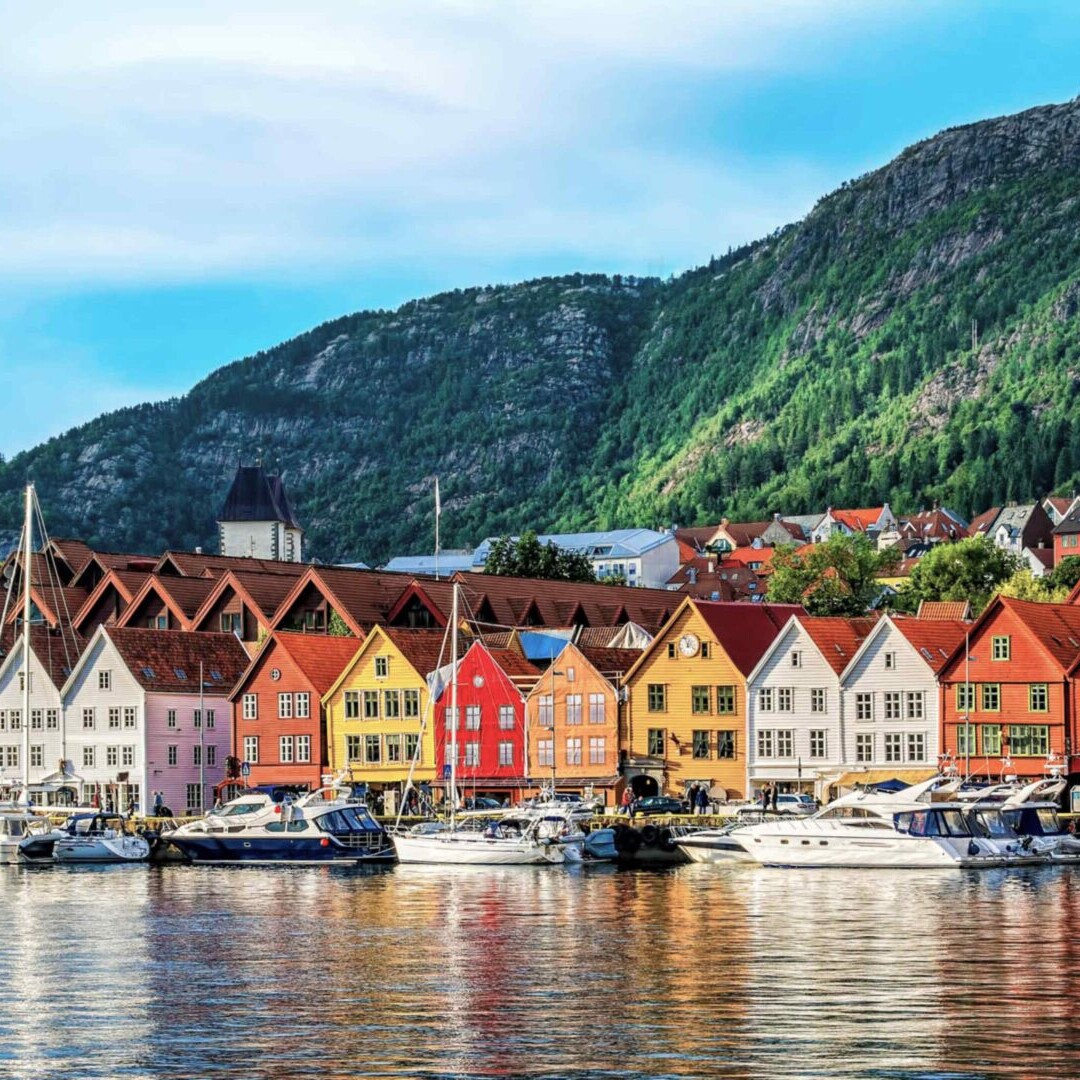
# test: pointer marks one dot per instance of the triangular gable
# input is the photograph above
(110, 581)
(415, 594)
(378, 636)
(660, 635)
(153, 587)
(312, 579)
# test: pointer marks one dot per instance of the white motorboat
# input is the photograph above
(877, 829)
(99, 838)
(713, 845)
(16, 825)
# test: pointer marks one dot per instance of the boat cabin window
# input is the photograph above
(348, 819)
(847, 813)
(1033, 821)
(290, 826)
(992, 824)
(933, 823)
(238, 809)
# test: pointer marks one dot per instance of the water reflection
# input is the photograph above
(440, 972)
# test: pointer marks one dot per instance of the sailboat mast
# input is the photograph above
(453, 699)
(28, 546)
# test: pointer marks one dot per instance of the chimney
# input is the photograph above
(693, 575)
(198, 551)
(776, 517)
(712, 566)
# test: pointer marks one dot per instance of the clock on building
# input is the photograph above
(689, 645)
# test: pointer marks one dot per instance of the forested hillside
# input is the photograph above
(834, 362)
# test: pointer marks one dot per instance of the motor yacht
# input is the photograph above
(325, 826)
(713, 845)
(16, 827)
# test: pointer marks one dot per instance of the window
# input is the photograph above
(1038, 698)
(701, 744)
(785, 699)
(251, 749)
(991, 697)
(818, 743)
(114, 718)
(411, 701)
(965, 739)
(284, 706)
(573, 708)
(864, 706)
(706, 650)
(817, 700)
(112, 756)
(52, 719)
(890, 661)
(371, 704)
(765, 699)
(573, 751)
(37, 756)
(412, 745)
(657, 697)
(303, 706)
(251, 706)
(547, 710)
(194, 799)
(352, 747)
(472, 717)
(87, 757)
(196, 753)
(1000, 647)
(372, 749)
(785, 743)
(545, 752)
(864, 748)
(656, 742)
(893, 743)
(170, 752)
(391, 704)
(991, 739)
(597, 750)
(87, 719)
(453, 718)
(965, 697)
(15, 716)
(1029, 740)
(892, 704)
(392, 746)
(725, 699)
(285, 750)
(104, 680)
(127, 755)
(230, 622)
(382, 667)
(506, 719)
(671, 650)
(913, 701)
(506, 753)
(36, 720)
(211, 718)
(796, 659)
(725, 745)
(170, 718)
(130, 716)
(766, 743)
(699, 699)
(196, 718)
(916, 746)
(3, 719)
(571, 673)
(22, 681)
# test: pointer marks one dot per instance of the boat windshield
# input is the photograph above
(238, 809)
(1034, 821)
(933, 823)
(347, 819)
(992, 824)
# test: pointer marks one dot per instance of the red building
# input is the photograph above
(1009, 691)
(279, 726)
(491, 722)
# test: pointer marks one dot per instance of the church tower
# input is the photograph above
(257, 521)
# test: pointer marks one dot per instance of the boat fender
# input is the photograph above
(649, 835)
(667, 843)
(974, 849)
(628, 841)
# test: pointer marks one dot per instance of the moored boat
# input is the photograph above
(99, 838)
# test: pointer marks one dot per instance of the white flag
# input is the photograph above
(438, 505)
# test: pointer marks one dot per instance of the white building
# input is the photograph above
(257, 521)
(795, 721)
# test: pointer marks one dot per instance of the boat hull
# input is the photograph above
(254, 850)
(719, 849)
(86, 849)
(899, 852)
(448, 849)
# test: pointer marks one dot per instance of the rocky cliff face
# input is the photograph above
(832, 362)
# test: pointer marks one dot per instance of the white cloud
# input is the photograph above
(164, 143)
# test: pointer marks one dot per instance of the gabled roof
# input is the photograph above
(1068, 525)
(745, 631)
(422, 648)
(199, 564)
(76, 553)
(425, 592)
(104, 561)
(164, 661)
(363, 598)
(697, 536)
(126, 583)
(58, 605)
(936, 524)
(982, 524)
(182, 596)
(933, 639)
(262, 593)
(611, 663)
(1044, 556)
(949, 610)
(255, 495)
(743, 533)
(837, 639)
(858, 520)
(56, 652)
(321, 657)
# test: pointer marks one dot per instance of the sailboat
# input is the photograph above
(514, 841)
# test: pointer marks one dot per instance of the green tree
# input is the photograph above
(527, 557)
(971, 570)
(336, 626)
(837, 577)
(1065, 575)
(1024, 585)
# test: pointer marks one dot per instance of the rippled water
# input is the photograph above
(593, 972)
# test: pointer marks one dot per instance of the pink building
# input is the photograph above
(134, 724)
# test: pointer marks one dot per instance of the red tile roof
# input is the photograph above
(261, 592)
(363, 598)
(697, 536)
(515, 666)
(76, 553)
(981, 524)
(58, 605)
(167, 662)
(199, 564)
(182, 596)
(126, 583)
(1055, 626)
(745, 631)
(1043, 555)
(321, 657)
(422, 648)
(858, 520)
(952, 610)
(56, 652)
(933, 639)
(611, 662)
(837, 639)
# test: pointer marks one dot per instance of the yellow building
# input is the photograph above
(687, 697)
(375, 710)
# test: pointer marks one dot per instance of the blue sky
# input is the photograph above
(183, 184)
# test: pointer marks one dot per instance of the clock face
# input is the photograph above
(688, 645)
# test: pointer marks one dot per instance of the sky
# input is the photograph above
(183, 184)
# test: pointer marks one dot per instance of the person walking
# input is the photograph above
(627, 799)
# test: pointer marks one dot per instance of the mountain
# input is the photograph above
(915, 337)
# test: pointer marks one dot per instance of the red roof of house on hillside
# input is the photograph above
(746, 630)
(167, 662)
(980, 525)
(729, 581)
(858, 520)
(933, 639)
(934, 524)
(837, 639)
(743, 556)
(321, 657)
(949, 610)
(1061, 503)
(694, 538)
(1043, 555)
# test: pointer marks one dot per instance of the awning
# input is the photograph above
(878, 776)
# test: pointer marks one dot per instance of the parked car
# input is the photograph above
(787, 802)
(656, 804)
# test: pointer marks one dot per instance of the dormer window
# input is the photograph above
(180, 673)
(382, 667)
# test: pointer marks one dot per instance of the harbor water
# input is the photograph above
(699, 971)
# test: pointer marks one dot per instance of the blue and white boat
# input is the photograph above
(326, 826)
